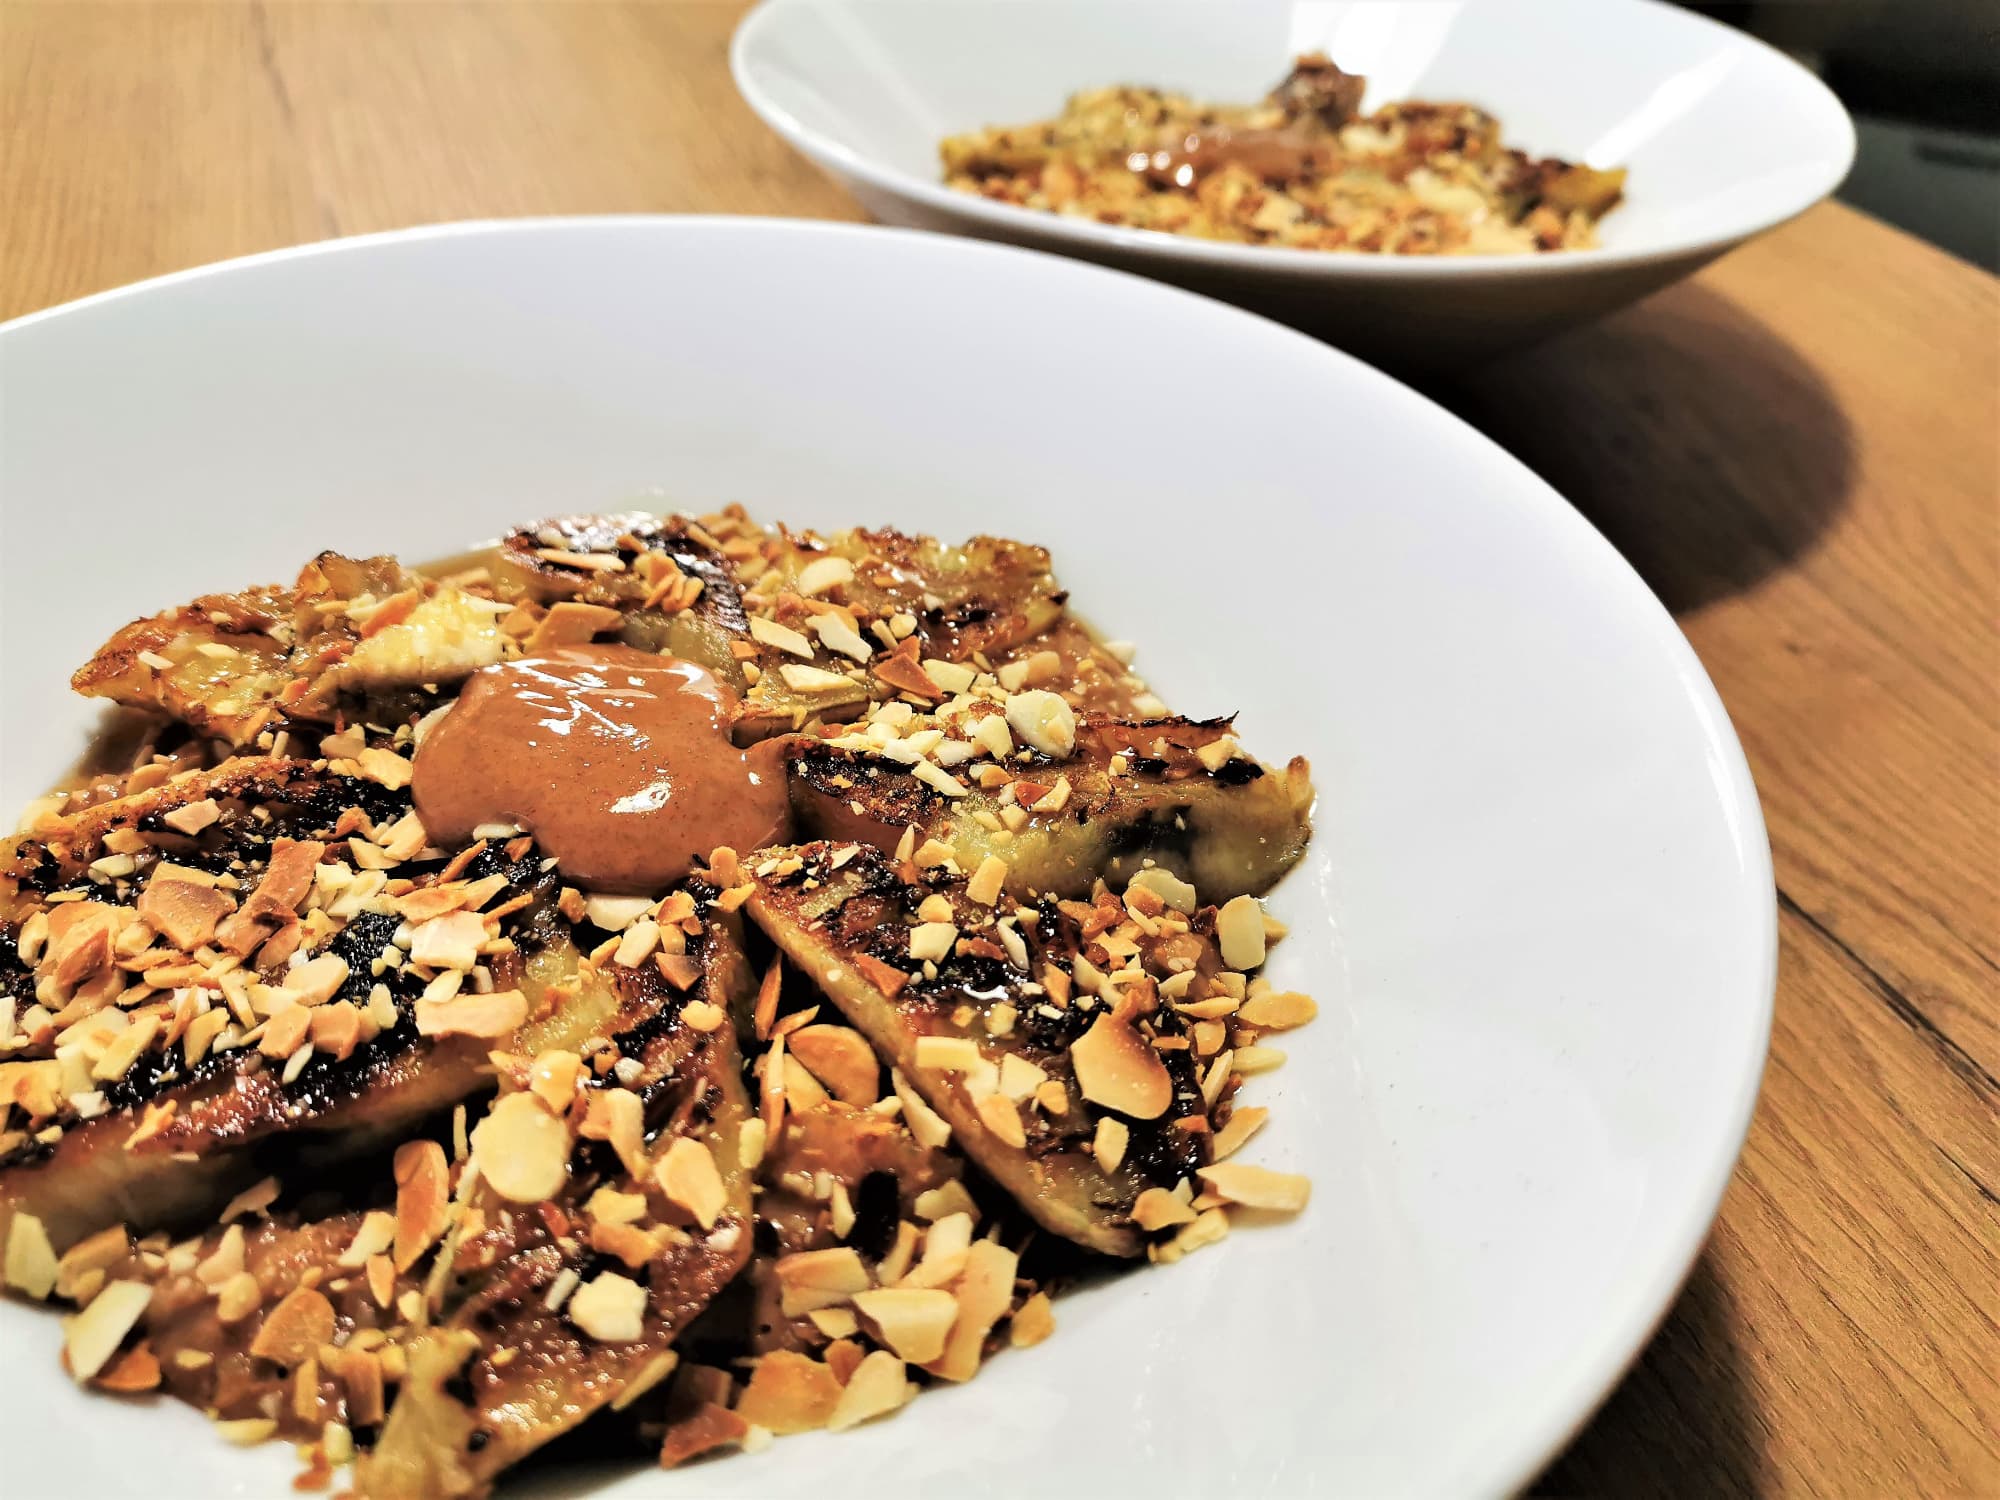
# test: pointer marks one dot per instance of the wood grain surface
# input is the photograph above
(1799, 449)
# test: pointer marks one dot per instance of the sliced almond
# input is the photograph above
(1108, 1145)
(925, 1123)
(1258, 1187)
(1156, 1208)
(1277, 1010)
(295, 1328)
(31, 1260)
(93, 1335)
(819, 1278)
(912, 1321)
(1033, 1321)
(1239, 932)
(422, 1198)
(1002, 1117)
(1116, 1068)
(451, 941)
(687, 1174)
(839, 1058)
(878, 1385)
(522, 1149)
(1242, 1124)
(491, 1016)
(789, 1392)
(985, 1291)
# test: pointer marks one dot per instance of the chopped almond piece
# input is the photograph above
(1034, 1321)
(376, 1234)
(988, 881)
(819, 1278)
(552, 1078)
(702, 1016)
(184, 913)
(134, 1371)
(789, 1392)
(93, 1335)
(885, 977)
(284, 1031)
(451, 941)
(1258, 1187)
(1108, 1145)
(295, 1327)
(523, 1150)
(925, 1123)
(703, 1430)
(491, 1016)
(839, 1058)
(191, 817)
(31, 1259)
(878, 1385)
(1002, 1117)
(985, 1291)
(421, 1199)
(1116, 1068)
(913, 1322)
(1156, 1208)
(688, 1175)
(608, 1307)
(336, 1029)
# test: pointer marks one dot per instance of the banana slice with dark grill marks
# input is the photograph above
(1134, 791)
(989, 1020)
(569, 1300)
(223, 960)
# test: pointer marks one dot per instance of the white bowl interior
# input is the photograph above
(1722, 134)
(1537, 911)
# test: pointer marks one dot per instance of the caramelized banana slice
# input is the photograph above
(608, 1211)
(998, 1040)
(220, 960)
(1132, 792)
(233, 665)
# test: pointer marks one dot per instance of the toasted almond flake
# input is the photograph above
(238, 1297)
(1242, 1124)
(1156, 1208)
(839, 1058)
(656, 1370)
(938, 780)
(296, 1327)
(988, 881)
(491, 1016)
(376, 1234)
(1108, 1145)
(885, 977)
(823, 573)
(570, 623)
(637, 943)
(1209, 1226)
(789, 1392)
(130, 1373)
(1277, 1010)
(925, 1123)
(985, 1292)
(253, 1200)
(1218, 752)
(31, 1259)
(384, 767)
(913, 1322)
(1169, 887)
(834, 1322)
(1250, 1060)
(819, 1278)
(191, 817)
(771, 633)
(422, 1198)
(522, 1149)
(879, 1385)
(609, 1308)
(615, 913)
(837, 633)
(451, 941)
(951, 1054)
(1239, 933)
(688, 1175)
(246, 1432)
(1258, 1187)
(1002, 1116)
(1216, 1078)
(1116, 1068)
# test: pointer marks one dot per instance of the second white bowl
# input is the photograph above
(1723, 136)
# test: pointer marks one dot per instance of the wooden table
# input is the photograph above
(1797, 449)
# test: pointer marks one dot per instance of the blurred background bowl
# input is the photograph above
(1724, 137)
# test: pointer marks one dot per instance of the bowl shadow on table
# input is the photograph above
(1683, 1421)
(1704, 447)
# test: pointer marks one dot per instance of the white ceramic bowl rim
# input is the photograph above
(1549, 1416)
(1007, 217)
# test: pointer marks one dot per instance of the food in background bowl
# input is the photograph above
(1304, 169)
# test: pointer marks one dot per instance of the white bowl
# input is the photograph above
(1724, 137)
(1537, 910)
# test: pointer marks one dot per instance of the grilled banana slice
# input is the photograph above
(222, 960)
(1002, 1032)
(610, 1210)
(1133, 792)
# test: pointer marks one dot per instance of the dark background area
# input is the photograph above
(1922, 80)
